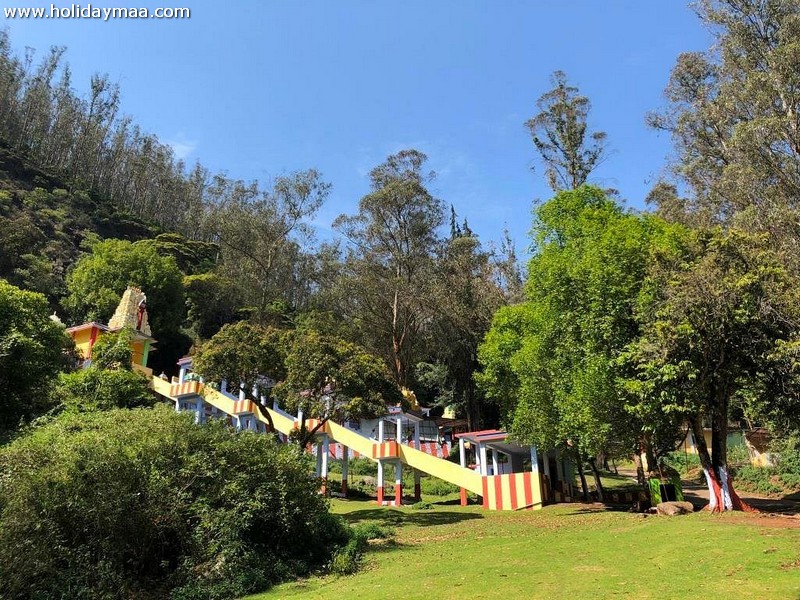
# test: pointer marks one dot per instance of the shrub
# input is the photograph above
(757, 479)
(437, 487)
(348, 559)
(681, 461)
(362, 466)
(143, 503)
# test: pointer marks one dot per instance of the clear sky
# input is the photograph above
(258, 88)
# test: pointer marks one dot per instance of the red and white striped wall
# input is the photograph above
(512, 491)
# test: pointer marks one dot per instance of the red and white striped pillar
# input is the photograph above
(380, 464)
(462, 455)
(398, 483)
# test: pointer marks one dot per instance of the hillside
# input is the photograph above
(44, 220)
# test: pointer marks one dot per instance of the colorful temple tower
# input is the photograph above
(131, 314)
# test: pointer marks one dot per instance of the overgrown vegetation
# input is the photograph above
(146, 504)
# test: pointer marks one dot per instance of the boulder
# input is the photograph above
(671, 509)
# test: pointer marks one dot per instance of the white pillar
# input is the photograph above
(182, 375)
(534, 460)
(324, 466)
(495, 465)
(223, 385)
(462, 453)
(300, 416)
(380, 431)
(380, 482)
(242, 395)
(546, 460)
(398, 481)
(417, 445)
(484, 462)
(199, 416)
(399, 434)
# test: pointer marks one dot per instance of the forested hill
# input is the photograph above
(44, 220)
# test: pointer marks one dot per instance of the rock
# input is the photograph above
(671, 509)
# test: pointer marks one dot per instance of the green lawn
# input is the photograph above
(566, 551)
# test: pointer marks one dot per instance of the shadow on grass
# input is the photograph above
(422, 518)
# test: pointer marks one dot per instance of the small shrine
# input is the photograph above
(131, 314)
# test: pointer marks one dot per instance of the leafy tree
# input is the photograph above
(733, 114)
(465, 295)
(331, 379)
(261, 233)
(559, 132)
(212, 302)
(716, 319)
(100, 277)
(33, 349)
(244, 354)
(191, 256)
(166, 508)
(551, 363)
(98, 280)
(389, 262)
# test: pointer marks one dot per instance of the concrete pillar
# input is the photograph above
(380, 482)
(200, 413)
(324, 465)
(399, 434)
(417, 444)
(182, 375)
(398, 480)
(223, 385)
(380, 431)
(462, 454)
(299, 416)
(495, 464)
(345, 467)
(534, 460)
(484, 462)
(242, 395)
(319, 460)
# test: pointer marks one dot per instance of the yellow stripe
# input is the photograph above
(505, 487)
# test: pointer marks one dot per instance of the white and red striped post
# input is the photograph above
(324, 464)
(398, 470)
(380, 464)
(463, 459)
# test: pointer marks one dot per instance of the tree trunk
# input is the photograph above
(640, 474)
(598, 484)
(579, 465)
(721, 494)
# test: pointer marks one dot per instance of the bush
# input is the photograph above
(681, 461)
(145, 504)
(437, 487)
(362, 466)
(348, 560)
(760, 480)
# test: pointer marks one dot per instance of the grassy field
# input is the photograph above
(565, 551)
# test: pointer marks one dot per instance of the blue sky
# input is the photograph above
(263, 87)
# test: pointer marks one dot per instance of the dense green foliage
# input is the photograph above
(33, 349)
(550, 362)
(329, 378)
(145, 503)
(244, 354)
